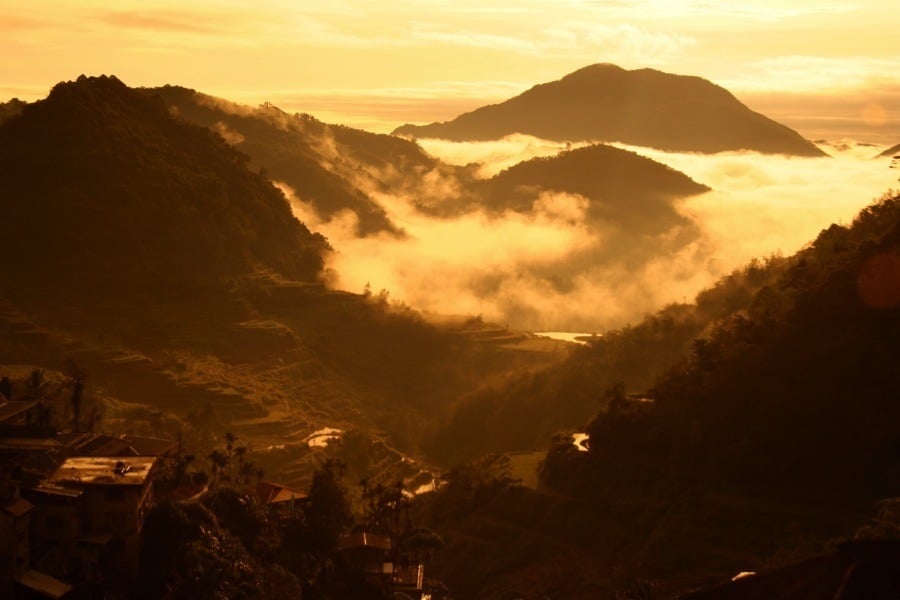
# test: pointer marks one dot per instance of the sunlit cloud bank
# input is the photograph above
(763, 204)
(531, 270)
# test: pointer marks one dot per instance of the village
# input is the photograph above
(74, 505)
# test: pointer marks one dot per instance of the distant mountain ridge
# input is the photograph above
(644, 107)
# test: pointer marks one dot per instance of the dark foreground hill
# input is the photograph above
(105, 192)
(643, 107)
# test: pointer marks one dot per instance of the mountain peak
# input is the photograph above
(84, 84)
(645, 107)
(595, 69)
(148, 201)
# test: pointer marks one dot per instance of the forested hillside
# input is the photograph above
(771, 433)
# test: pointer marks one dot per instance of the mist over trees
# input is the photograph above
(162, 268)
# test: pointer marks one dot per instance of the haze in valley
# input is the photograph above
(291, 260)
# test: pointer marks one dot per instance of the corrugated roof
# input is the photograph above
(364, 540)
(44, 584)
(150, 446)
(45, 487)
(18, 507)
(104, 470)
(28, 444)
(274, 493)
(105, 445)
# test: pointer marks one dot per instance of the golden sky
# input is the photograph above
(380, 63)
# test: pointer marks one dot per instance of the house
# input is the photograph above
(93, 444)
(34, 584)
(408, 579)
(369, 556)
(17, 579)
(276, 495)
(37, 455)
(116, 491)
(15, 514)
(858, 570)
(57, 512)
(366, 555)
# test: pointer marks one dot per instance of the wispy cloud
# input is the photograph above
(816, 73)
(166, 21)
(474, 39)
(754, 10)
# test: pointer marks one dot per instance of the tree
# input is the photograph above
(329, 509)
(386, 509)
(34, 384)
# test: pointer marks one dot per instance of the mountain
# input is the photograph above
(108, 191)
(332, 164)
(890, 152)
(146, 252)
(624, 188)
(644, 107)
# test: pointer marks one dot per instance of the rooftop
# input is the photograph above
(274, 493)
(45, 585)
(364, 540)
(18, 507)
(104, 470)
(93, 444)
(150, 446)
(50, 489)
(29, 444)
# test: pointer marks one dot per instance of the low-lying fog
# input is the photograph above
(497, 265)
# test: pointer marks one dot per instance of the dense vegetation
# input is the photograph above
(775, 434)
(800, 386)
(109, 192)
(747, 428)
(525, 412)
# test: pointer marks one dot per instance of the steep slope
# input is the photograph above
(108, 192)
(328, 163)
(643, 107)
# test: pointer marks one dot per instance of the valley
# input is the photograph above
(188, 270)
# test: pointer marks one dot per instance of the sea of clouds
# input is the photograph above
(528, 270)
